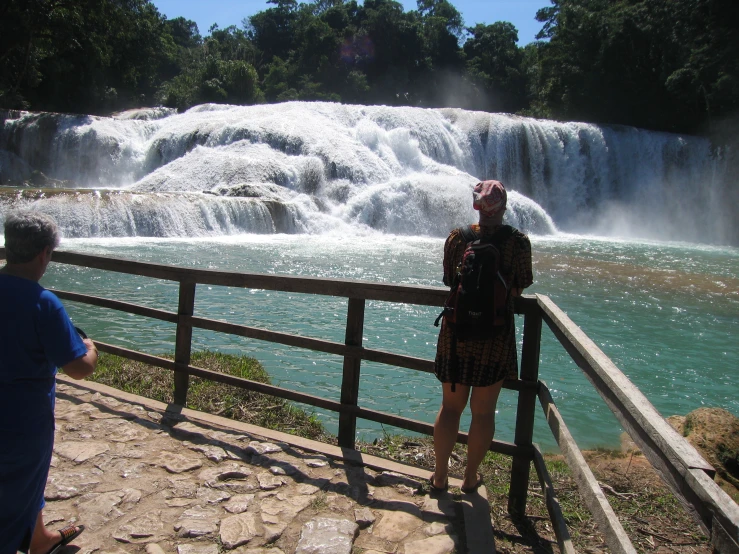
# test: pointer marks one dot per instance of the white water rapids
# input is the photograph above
(337, 186)
(317, 168)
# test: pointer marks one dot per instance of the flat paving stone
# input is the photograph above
(238, 529)
(239, 503)
(327, 536)
(80, 452)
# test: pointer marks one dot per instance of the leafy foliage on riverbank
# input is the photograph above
(665, 66)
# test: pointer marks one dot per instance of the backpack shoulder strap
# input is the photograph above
(506, 232)
(468, 234)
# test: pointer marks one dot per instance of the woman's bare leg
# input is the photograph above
(446, 428)
(482, 429)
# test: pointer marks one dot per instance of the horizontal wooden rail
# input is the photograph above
(222, 377)
(127, 307)
(318, 345)
(671, 455)
(147, 359)
(422, 427)
(564, 540)
(616, 538)
(368, 290)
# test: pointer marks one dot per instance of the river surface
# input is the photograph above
(370, 193)
(667, 314)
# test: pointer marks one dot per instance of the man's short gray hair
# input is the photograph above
(27, 233)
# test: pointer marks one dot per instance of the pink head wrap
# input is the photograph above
(489, 197)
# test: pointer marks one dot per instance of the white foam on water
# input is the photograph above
(394, 169)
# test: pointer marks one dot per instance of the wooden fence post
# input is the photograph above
(183, 341)
(521, 465)
(350, 379)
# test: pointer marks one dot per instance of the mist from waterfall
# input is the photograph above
(328, 168)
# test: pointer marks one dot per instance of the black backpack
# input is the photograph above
(476, 306)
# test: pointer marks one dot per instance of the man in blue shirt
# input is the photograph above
(36, 338)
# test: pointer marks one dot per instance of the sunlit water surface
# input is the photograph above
(666, 314)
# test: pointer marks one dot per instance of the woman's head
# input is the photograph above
(27, 234)
(489, 198)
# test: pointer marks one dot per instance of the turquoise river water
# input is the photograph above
(666, 313)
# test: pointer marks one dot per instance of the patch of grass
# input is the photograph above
(215, 398)
(319, 502)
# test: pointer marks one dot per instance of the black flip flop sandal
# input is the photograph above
(68, 535)
(473, 488)
(434, 488)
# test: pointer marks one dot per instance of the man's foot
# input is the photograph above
(55, 541)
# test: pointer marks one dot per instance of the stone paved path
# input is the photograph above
(145, 480)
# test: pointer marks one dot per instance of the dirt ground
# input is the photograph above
(651, 516)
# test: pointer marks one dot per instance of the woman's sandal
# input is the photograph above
(473, 488)
(68, 535)
(436, 489)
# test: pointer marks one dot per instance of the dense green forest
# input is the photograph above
(668, 65)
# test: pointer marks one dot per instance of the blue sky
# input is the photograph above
(231, 12)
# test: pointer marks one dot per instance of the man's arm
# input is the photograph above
(83, 366)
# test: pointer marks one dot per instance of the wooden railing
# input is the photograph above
(687, 474)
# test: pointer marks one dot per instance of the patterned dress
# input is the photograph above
(483, 362)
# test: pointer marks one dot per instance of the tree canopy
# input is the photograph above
(660, 64)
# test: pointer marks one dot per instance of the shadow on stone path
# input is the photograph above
(142, 479)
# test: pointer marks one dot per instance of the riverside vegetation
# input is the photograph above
(668, 66)
(651, 515)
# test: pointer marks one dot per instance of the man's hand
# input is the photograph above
(83, 366)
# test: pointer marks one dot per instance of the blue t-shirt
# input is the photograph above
(36, 337)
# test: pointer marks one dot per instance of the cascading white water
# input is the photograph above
(320, 167)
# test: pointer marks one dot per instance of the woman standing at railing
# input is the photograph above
(481, 363)
(36, 337)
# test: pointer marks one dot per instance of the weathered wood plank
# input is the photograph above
(521, 467)
(422, 427)
(478, 528)
(564, 540)
(318, 345)
(368, 290)
(273, 390)
(351, 372)
(220, 377)
(430, 296)
(616, 538)
(127, 307)
(669, 453)
(183, 341)
(410, 294)
(630, 398)
(155, 361)
(724, 511)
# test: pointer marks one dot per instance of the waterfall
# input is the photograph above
(303, 167)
